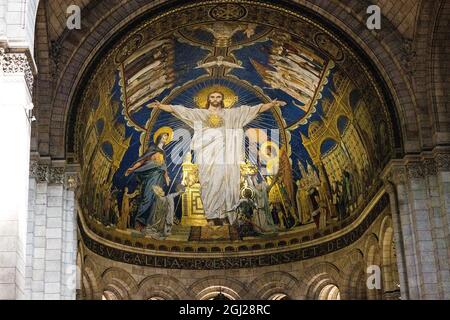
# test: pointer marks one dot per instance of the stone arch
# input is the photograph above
(161, 286)
(114, 292)
(354, 276)
(318, 277)
(229, 286)
(440, 73)
(77, 49)
(388, 259)
(431, 61)
(383, 51)
(111, 294)
(373, 258)
(269, 284)
(121, 281)
(330, 292)
(90, 288)
(91, 284)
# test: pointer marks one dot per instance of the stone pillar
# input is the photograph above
(52, 243)
(420, 205)
(398, 238)
(16, 81)
(17, 23)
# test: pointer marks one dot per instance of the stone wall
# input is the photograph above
(420, 193)
(17, 68)
(51, 240)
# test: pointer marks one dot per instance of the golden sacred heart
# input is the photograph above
(215, 121)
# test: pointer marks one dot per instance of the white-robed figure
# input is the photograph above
(218, 144)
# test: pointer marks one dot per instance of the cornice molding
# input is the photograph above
(398, 171)
(45, 170)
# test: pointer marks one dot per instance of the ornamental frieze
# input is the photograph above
(11, 63)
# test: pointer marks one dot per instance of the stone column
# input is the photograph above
(16, 81)
(398, 238)
(52, 243)
(420, 209)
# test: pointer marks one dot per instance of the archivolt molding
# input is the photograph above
(163, 286)
(120, 278)
(353, 276)
(320, 275)
(234, 287)
(277, 282)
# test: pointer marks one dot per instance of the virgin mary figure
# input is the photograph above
(150, 171)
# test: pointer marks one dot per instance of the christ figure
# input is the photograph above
(218, 144)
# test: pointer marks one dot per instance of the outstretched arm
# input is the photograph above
(136, 166)
(159, 105)
(270, 105)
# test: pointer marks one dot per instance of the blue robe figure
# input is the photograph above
(150, 170)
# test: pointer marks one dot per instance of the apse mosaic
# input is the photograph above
(221, 122)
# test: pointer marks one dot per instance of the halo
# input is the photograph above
(161, 131)
(264, 146)
(230, 98)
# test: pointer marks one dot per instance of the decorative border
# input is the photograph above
(232, 261)
(44, 173)
(17, 63)
(417, 167)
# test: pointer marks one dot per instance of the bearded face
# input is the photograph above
(215, 100)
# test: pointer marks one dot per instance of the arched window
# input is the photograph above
(218, 293)
(342, 124)
(354, 98)
(156, 298)
(330, 292)
(327, 146)
(109, 295)
(100, 125)
(279, 297)
(108, 150)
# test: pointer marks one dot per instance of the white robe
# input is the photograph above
(218, 154)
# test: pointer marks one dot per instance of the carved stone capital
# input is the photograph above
(395, 174)
(34, 165)
(443, 162)
(415, 170)
(428, 164)
(72, 181)
(11, 63)
(429, 167)
(41, 173)
(57, 175)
